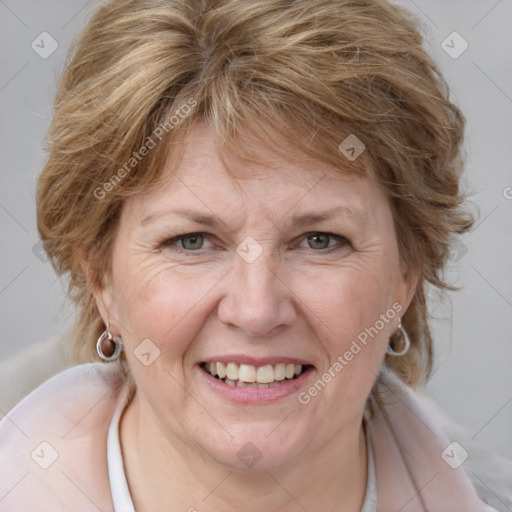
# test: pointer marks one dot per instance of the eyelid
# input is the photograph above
(169, 242)
(340, 238)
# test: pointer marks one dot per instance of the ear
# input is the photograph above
(102, 292)
(407, 288)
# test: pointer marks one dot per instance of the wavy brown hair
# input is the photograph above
(312, 72)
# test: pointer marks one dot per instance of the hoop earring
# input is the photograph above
(407, 341)
(107, 335)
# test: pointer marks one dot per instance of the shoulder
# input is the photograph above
(58, 402)
(489, 472)
(53, 450)
(428, 440)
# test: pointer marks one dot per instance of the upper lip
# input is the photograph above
(256, 361)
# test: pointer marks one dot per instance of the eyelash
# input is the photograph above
(169, 242)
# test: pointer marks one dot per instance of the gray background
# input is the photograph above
(473, 378)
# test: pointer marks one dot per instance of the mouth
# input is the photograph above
(243, 375)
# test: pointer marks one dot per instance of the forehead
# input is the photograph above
(204, 175)
(203, 158)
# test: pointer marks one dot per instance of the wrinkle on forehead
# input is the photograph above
(269, 183)
(255, 158)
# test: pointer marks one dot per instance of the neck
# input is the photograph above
(163, 473)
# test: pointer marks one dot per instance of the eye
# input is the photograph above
(195, 241)
(321, 241)
(188, 242)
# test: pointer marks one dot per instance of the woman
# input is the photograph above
(250, 200)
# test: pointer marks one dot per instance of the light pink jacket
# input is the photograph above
(53, 449)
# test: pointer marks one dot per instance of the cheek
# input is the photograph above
(350, 299)
(160, 302)
(354, 318)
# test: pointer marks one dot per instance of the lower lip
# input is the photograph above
(256, 395)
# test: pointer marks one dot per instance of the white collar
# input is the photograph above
(118, 484)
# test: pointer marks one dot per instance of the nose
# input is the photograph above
(257, 301)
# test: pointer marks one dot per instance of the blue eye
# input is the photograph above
(316, 240)
(321, 240)
(196, 241)
(189, 242)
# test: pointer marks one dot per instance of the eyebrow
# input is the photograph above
(297, 220)
(315, 217)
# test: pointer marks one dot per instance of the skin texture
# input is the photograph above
(180, 438)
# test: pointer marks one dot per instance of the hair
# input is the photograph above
(144, 72)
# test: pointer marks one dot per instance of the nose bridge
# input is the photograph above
(256, 300)
(258, 277)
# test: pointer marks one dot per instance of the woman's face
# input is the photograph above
(257, 282)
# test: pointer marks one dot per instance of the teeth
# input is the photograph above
(221, 370)
(248, 375)
(241, 384)
(280, 371)
(232, 371)
(265, 374)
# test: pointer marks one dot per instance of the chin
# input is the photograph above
(253, 449)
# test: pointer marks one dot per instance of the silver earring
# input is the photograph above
(407, 342)
(107, 335)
